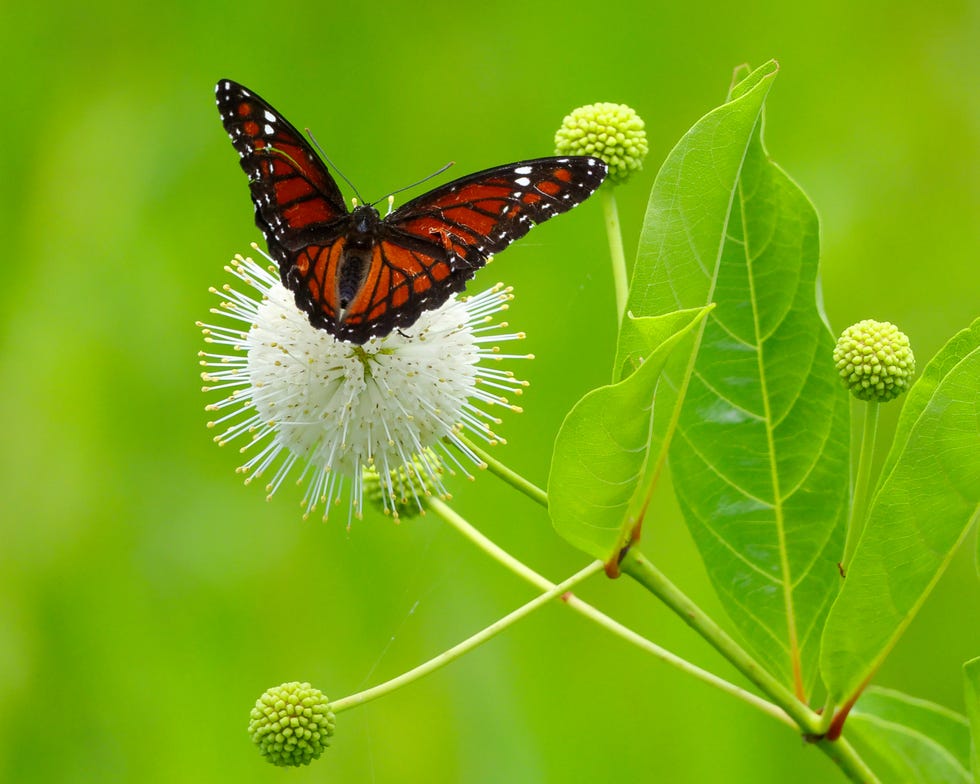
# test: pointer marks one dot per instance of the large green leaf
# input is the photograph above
(971, 676)
(684, 228)
(927, 496)
(917, 741)
(611, 445)
(760, 455)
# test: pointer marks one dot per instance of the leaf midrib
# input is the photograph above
(777, 505)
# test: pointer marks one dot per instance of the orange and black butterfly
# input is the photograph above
(357, 274)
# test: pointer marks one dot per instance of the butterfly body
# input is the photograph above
(362, 235)
(357, 274)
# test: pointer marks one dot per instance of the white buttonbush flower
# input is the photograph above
(303, 402)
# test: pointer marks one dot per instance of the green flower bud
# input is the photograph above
(610, 131)
(402, 492)
(874, 360)
(291, 723)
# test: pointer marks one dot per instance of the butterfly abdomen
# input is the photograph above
(350, 277)
(358, 251)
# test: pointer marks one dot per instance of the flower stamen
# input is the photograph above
(303, 399)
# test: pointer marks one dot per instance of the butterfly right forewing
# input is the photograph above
(481, 214)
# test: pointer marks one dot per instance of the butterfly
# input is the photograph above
(357, 274)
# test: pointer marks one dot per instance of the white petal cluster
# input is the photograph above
(328, 410)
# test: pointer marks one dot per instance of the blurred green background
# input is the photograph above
(147, 597)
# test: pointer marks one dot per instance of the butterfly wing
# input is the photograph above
(297, 202)
(404, 275)
(481, 214)
(428, 248)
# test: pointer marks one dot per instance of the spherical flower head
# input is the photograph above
(302, 399)
(397, 492)
(874, 360)
(611, 131)
(291, 724)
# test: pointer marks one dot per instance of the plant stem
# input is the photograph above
(522, 570)
(510, 476)
(840, 751)
(467, 645)
(645, 573)
(616, 252)
(855, 521)
(826, 716)
(847, 759)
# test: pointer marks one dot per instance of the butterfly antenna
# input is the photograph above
(334, 165)
(426, 178)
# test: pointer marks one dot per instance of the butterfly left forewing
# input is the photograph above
(298, 206)
(296, 200)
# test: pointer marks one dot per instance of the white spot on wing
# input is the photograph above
(522, 170)
(523, 181)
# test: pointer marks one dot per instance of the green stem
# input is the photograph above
(826, 716)
(616, 252)
(862, 482)
(510, 476)
(595, 615)
(840, 751)
(847, 759)
(645, 573)
(467, 645)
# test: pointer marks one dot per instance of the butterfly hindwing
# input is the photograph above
(395, 284)
(402, 282)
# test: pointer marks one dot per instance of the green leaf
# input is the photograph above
(609, 450)
(971, 676)
(927, 496)
(917, 741)
(684, 228)
(760, 455)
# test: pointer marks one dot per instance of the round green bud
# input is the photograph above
(874, 360)
(403, 491)
(291, 723)
(610, 131)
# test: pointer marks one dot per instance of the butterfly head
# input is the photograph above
(364, 220)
